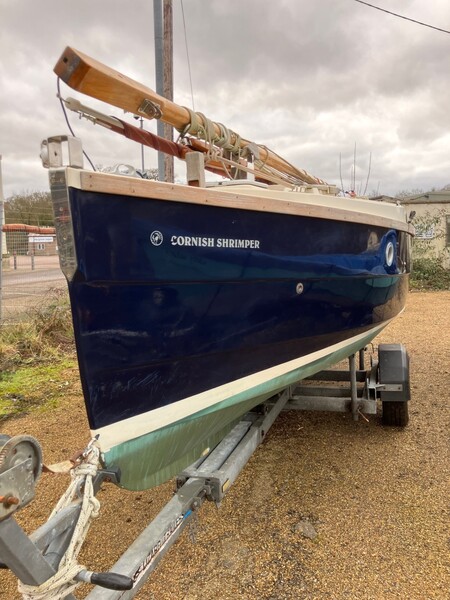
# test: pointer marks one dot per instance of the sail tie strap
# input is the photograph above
(63, 583)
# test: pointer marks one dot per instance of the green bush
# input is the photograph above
(428, 261)
(428, 273)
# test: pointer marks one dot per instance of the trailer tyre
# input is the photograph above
(393, 376)
(395, 414)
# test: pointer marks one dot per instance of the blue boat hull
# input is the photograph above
(171, 300)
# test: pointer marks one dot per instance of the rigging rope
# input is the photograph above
(62, 583)
(68, 122)
(200, 126)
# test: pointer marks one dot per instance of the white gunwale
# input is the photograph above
(247, 197)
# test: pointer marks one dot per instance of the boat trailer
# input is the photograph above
(36, 559)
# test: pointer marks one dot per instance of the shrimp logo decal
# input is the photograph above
(156, 238)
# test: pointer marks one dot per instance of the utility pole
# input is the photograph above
(164, 75)
(168, 81)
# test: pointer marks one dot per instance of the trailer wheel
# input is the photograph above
(395, 414)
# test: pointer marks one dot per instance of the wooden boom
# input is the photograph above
(90, 77)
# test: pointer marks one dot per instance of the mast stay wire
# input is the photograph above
(187, 54)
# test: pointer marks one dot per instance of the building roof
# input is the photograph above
(438, 197)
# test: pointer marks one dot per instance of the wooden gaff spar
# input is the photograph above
(141, 136)
(88, 76)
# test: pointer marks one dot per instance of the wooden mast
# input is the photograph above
(89, 76)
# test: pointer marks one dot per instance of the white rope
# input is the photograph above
(62, 583)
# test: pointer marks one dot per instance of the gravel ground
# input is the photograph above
(376, 499)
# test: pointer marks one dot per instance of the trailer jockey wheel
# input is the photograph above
(18, 449)
(394, 385)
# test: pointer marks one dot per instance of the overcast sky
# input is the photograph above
(308, 78)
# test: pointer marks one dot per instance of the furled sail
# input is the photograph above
(88, 76)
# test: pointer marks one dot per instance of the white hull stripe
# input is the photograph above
(144, 423)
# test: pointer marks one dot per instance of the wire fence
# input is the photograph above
(30, 270)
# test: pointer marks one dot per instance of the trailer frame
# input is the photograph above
(35, 558)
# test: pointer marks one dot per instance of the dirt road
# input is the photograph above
(377, 498)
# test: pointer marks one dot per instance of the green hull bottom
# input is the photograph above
(151, 459)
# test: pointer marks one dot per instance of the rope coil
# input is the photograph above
(200, 126)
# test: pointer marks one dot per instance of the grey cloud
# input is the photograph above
(309, 79)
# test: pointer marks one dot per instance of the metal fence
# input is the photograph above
(30, 270)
